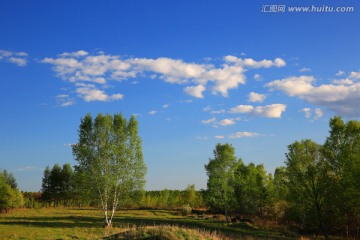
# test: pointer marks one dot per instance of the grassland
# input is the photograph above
(74, 223)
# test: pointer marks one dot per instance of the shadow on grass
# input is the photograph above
(243, 230)
(55, 222)
(129, 222)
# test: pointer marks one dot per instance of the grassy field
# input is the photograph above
(74, 223)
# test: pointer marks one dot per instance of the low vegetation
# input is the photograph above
(75, 223)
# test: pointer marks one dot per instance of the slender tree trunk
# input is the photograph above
(105, 209)
(114, 206)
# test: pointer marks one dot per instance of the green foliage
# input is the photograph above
(9, 179)
(190, 195)
(9, 197)
(310, 184)
(58, 184)
(110, 159)
(342, 151)
(186, 210)
(253, 187)
(220, 185)
(173, 199)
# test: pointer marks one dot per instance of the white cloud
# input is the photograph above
(257, 77)
(317, 112)
(269, 111)
(80, 53)
(165, 106)
(219, 137)
(249, 62)
(224, 122)
(218, 111)
(307, 112)
(355, 75)
(242, 109)
(195, 91)
(211, 120)
(153, 112)
(227, 122)
(340, 73)
(293, 85)
(256, 97)
(18, 58)
(305, 70)
(81, 67)
(345, 81)
(207, 108)
(244, 134)
(89, 93)
(342, 97)
(64, 100)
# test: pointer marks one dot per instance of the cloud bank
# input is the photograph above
(90, 74)
(341, 96)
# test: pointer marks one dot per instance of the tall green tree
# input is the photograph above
(252, 188)
(67, 183)
(309, 181)
(110, 159)
(342, 151)
(9, 197)
(190, 195)
(9, 179)
(46, 185)
(56, 184)
(220, 185)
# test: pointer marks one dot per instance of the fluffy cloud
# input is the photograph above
(269, 111)
(293, 86)
(249, 62)
(256, 97)
(195, 91)
(81, 67)
(244, 134)
(211, 120)
(89, 93)
(307, 112)
(257, 77)
(341, 96)
(18, 58)
(355, 75)
(315, 114)
(224, 122)
(227, 122)
(340, 73)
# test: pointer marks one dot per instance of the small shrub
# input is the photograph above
(186, 210)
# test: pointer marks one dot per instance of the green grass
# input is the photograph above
(74, 223)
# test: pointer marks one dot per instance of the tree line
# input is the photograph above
(317, 190)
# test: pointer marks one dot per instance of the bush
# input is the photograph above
(186, 210)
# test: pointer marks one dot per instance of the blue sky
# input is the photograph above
(195, 73)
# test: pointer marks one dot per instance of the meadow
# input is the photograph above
(86, 223)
